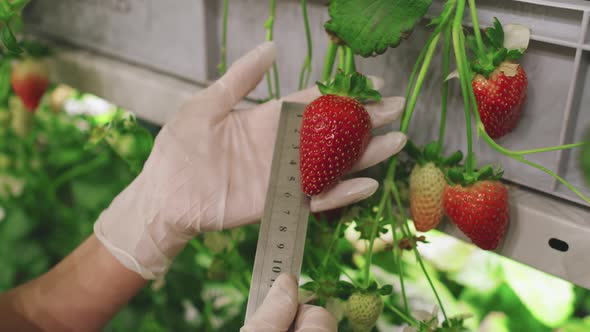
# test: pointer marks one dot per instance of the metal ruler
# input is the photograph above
(284, 224)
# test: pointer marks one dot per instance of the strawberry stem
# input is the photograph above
(306, 69)
(269, 26)
(407, 232)
(461, 59)
(476, 30)
(395, 251)
(341, 58)
(350, 66)
(329, 61)
(223, 63)
(335, 238)
(419, 82)
(445, 86)
(403, 316)
(550, 148)
(376, 223)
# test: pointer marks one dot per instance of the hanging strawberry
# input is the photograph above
(500, 83)
(427, 182)
(30, 81)
(335, 131)
(478, 205)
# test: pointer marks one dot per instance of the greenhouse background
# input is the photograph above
(120, 70)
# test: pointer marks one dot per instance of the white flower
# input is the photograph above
(361, 245)
(10, 185)
(2, 214)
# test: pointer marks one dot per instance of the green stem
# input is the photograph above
(223, 63)
(419, 82)
(342, 269)
(463, 73)
(335, 238)
(80, 170)
(547, 149)
(341, 58)
(395, 251)
(415, 248)
(374, 230)
(476, 30)
(306, 69)
(445, 86)
(269, 25)
(350, 65)
(329, 61)
(403, 316)
(519, 157)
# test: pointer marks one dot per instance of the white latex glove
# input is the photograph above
(210, 167)
(281, 310)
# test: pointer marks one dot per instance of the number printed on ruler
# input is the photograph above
(288, 195)
(283, 228)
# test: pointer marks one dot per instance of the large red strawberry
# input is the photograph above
(500, 98)
(480, 210)
(334, 133)
(30, 80)
(500, 84)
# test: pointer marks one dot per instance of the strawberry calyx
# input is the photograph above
(354, 85)
(431, 154)
(460, 177)
(497, 49)
(346, 289)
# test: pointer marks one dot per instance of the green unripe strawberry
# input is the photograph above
(362, 310)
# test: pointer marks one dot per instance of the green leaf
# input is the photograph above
(353, 85)
(386, 290)
(412, 150)
(36, 49)
(9, 40)
(370, 27)
(431, 152)
(495, 35)
(453, 159)
(455, 175)
(514, 55)
(18, 5)
(5, 89)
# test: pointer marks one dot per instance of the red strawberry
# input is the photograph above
(30, 80)
(479, 210)
(426, 186)
(334, 134)
(500, 98)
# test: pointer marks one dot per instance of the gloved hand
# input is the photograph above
(281, 308)
(210, 167)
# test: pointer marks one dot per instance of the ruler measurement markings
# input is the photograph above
(284, 223)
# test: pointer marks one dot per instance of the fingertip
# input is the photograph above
(344, 193)
(379, 149)
(314, 318)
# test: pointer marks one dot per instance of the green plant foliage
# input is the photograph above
(371, 27)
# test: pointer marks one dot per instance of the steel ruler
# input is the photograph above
(283, 228)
